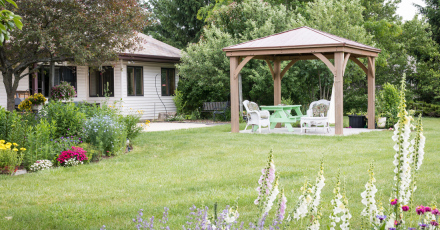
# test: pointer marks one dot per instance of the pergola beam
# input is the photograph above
(271, 69)
(241, 65)
(326, 62)
(288, 67)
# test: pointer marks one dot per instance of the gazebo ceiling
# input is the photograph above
(299, 41)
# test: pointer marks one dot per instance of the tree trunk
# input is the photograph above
(10, 90)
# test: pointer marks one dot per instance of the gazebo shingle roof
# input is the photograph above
(302, 37)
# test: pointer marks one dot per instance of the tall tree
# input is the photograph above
(432, 13)
(88, 31)
(175, 21)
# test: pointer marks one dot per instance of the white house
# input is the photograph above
(142, 80)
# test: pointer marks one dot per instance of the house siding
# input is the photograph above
(152, 102)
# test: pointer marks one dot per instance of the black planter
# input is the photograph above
(356, 121)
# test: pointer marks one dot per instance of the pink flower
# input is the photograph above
(427, 209)
(405, 208)
(434, 223)
(435, 212)
(394, 201)
(420, 210)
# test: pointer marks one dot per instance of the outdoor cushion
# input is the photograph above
(253, 106)
(264, 114)
(320, 108)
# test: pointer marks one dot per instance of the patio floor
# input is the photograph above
(297, 131)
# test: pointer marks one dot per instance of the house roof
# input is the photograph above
(152, 50)
(302, 37)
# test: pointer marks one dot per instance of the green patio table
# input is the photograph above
(281, 114)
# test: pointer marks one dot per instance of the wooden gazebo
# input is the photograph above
(303, 43)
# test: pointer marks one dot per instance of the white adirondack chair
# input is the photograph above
(255, 116)
(317, 116)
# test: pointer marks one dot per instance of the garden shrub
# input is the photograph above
(130, 122)
(15, 127)
(106, 133)
(92, 153)
(179, 101)
(431, 110)
(39, 142)
(388, 102)
(68, 118)
(89, 109)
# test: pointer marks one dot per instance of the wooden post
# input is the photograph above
(235, 128)
(277, 84)
(339, 94)
(34, 82)
(371, 93)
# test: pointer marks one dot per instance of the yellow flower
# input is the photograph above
(15, 144)
(2, 141)
(15, 149)
(23, 149)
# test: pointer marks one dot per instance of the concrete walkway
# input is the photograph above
(297, 131)
(167, 126)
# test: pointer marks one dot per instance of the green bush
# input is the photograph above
(130, 122)
(387, 103)
(430, 110)
(39, 145)
(179, 101)
(92, 153)
(14, 127)
(67, 117)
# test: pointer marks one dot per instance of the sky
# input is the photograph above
(407, 10)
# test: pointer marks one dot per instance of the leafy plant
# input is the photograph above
(68, 118)
(130, 122)
(179, 101)
(39, 142)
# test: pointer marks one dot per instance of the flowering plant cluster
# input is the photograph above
(10, 156)
(36, 99)
(41, 165)
(63, 91)
(72, 157)
(106, 133)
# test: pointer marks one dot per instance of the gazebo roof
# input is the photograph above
(302, 37)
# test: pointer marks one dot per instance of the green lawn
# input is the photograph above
(177, 169)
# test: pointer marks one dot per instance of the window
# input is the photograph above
(62, 73)
(168, 78)
(135, 81)
(101, 82)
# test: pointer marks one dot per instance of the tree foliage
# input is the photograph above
(175, 21)
(406, 49)
(204, 69)
(88, 31)
(432, 13)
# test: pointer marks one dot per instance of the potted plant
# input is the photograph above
(357, 120)
(34, 102)
(63, 92)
